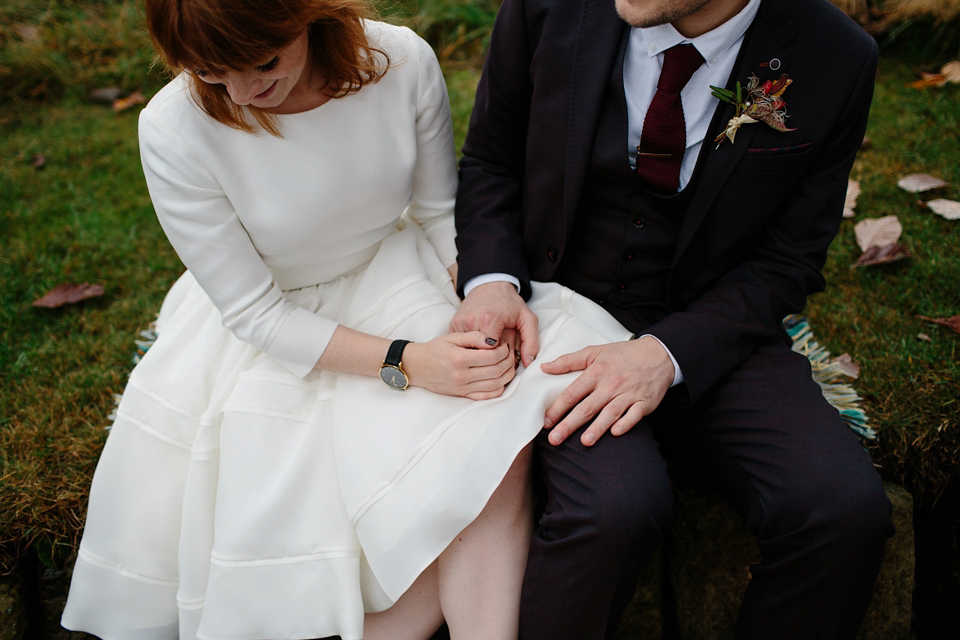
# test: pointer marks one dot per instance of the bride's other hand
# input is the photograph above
(460, 364)
(493, 307)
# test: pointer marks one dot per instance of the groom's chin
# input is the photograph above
(650, 13)
(644, 13)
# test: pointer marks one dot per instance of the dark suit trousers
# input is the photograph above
(774, 449)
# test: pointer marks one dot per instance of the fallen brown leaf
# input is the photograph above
(878, 232)
(68, 294)
(916, 182)
(848, 366)
(949, 209)
(853, 190)
(951, 71)
(928, 80)
(924, 337)
(882, 255)
(27, 32)
(39, 161)
(134, 98)
(105, 94)
(952, 323)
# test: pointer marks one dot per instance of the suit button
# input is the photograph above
(627, 257)
(622, 287)
(639, 222)
(552, 253)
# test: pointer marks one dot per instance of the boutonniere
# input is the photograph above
(762, 103)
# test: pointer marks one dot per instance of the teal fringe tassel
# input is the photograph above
(147, 337)
(826, 372)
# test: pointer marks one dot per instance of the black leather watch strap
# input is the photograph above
(395, 353)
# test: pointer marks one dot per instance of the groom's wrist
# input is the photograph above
(486, 278)
(677, 373)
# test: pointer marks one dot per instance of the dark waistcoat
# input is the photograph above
(621, 245)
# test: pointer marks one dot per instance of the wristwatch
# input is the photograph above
(391, 371)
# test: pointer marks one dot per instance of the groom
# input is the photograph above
(598, 158)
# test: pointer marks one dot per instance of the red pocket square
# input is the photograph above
(780, 151)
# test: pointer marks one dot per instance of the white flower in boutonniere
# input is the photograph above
(761, 104)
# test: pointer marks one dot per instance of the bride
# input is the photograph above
(306, 451)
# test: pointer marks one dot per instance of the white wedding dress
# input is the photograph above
(241, 493)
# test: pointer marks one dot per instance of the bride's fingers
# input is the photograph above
(474, 340)
(492, 384)
(470, 358)
(484, 395)
(491, 387)
(502, 369)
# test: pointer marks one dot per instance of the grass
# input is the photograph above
(86, 217)
(66, 48)
(912, 386)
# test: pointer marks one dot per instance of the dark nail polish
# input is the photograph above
(491, 342)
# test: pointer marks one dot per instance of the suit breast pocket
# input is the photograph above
(792, 159)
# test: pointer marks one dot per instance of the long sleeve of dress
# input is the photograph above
(435, 175)
(206, 233)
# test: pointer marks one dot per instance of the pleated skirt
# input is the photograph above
(236, 500)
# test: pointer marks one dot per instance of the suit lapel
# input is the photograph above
(765, 41)
(599, 34)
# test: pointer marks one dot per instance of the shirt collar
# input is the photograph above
(710, 45)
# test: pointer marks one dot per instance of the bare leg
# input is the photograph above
(481, 572)
(475, 583)
(415, 616)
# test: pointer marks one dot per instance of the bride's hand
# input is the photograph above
(460, 364)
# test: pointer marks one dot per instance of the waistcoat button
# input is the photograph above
(639, 222)
(552, 253)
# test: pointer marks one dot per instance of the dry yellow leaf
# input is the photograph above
(853, 190)
(134, 98)
(951, 71)
(878, 232)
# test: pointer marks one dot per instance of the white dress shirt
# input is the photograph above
(641, 71)
(642, 62)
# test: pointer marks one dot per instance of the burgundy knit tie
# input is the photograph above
(664, 136)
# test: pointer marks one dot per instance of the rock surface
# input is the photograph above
(691, 592)
(643, 617)
(707, 569)
(892, 606)
(13, 621)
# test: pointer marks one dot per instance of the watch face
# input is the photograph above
(393, 377)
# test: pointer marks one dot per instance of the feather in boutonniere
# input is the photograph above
(762, 103)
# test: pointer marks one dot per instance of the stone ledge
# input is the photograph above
(13, 625)
(710, 559)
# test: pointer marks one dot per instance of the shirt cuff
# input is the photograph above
(476, 281)
(677, 374)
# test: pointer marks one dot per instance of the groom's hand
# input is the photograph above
(621, 383)
(494, 307)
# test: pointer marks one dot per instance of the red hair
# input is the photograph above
(218, 35)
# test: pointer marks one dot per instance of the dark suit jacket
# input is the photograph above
(764, 209)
